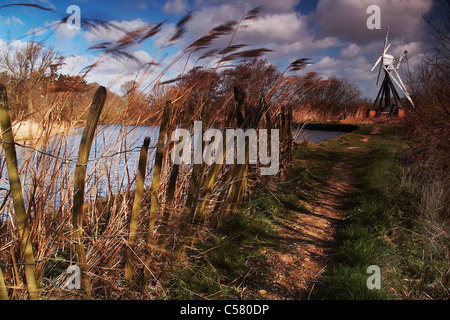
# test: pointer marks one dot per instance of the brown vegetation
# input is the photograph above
(65, 227)
(178, 209)
(428, 122)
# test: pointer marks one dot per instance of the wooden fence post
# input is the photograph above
(137, 205)
(26, 249)
(79, 183)
(191, 201)
(168, 207)
(3, 291)
(239, 113)
(155, 184)
(233, 192)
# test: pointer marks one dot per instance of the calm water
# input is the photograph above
(115, 172)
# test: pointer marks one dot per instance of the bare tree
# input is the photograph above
(29, 70)
(329, 95)
(428, 122)
(257, 76)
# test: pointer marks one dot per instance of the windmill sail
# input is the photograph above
(383, 57)
(383, 53)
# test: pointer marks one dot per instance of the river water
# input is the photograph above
(112, 166)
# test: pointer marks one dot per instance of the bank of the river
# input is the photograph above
(342, 207)
(29, 131)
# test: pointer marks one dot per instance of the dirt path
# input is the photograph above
(307, 242)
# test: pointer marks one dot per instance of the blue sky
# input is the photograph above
(333, 33)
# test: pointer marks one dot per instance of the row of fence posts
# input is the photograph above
(198, 198)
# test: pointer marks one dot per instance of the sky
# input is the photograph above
(333, 34)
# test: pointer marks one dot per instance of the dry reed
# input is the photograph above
(180, 203)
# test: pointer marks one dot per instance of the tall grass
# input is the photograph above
(49, 168)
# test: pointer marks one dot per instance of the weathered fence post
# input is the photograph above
(234, 189)
(191, 201)
(237, 175)
(168, 207)
(137, 205)
(239, 113)
(155, 184)
(79, 183)
(26, 250)
(3, 291)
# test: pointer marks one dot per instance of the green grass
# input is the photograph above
(220, 266)
(377, 215)
(225, 263)
(381, 227)
(234, 256)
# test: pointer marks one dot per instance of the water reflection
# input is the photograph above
(112, 167)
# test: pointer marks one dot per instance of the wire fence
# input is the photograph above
(63, 161)
(65, 244)
(69, 160)
(93, 237)
(180, 203)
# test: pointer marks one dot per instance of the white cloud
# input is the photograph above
(351, 51)
(175, 6)
(162, 37)
(48, 3)
(16, 20)
(109, 71)
(11, 20)
(280, 29)
(37, 31)
(210, 16)
(276, 28)
(62, 32)
(274, 6)
(348, 18)
(3, 46)
(17, 44)
(267, 6)
(74, 64)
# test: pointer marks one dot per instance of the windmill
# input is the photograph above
(390, 66)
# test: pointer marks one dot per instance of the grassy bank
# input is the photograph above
(233, 259)
(373, 212)
(383, 226)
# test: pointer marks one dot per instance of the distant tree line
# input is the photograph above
(38, 90)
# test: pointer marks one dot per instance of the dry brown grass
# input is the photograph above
(47, 175)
